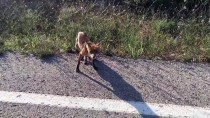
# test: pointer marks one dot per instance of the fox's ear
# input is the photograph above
(99, 43)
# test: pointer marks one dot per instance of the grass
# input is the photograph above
(122, 32)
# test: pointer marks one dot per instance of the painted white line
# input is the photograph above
(105, 105)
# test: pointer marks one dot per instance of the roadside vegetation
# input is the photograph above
(126, 30)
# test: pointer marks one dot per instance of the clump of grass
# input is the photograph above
(1, 47)
(122, 32)
(165, 26)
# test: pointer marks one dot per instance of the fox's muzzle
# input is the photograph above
(92, 56)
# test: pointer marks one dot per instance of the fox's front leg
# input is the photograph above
(85, 60)
(78, 63)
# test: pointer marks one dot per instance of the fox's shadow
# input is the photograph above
(121, 88)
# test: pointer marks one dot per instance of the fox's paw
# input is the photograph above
(78, 71)
(86, 63)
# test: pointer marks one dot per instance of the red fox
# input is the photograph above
(86, 49)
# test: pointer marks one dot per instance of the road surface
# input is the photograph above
(147, 88)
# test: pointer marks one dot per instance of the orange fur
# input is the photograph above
(86, 49)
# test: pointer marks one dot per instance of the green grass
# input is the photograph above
(122, 32)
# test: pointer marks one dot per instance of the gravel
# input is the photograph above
(117, 78)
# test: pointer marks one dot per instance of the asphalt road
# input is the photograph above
(117, 78)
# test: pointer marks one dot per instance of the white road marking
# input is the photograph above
(105, 105)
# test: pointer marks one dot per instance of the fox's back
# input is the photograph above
(81, 39)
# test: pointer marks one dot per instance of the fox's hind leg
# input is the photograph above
(78, 63)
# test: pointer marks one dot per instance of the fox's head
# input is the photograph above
(93, 49)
